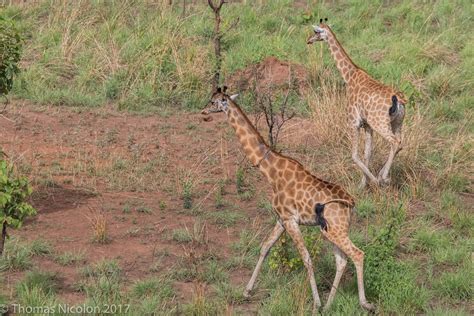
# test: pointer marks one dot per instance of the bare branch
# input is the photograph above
(231, 26)
(214, 7)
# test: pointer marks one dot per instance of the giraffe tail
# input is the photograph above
(394, 108)
(319, 210)
(320, 220)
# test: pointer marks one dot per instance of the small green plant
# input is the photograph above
(17, 256)
(46, 281)
(70, 258)
(40, 247)
(102, 284)
(181, 235)
(144, 209)
(226, 218)
(160, 289)
(456, 285)
(162, 205)
(245, 190)
(187, 195)
(10, 51)
(219, 198)
(14, 192)
(240, 180)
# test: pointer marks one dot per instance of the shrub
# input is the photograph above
(286, 257)
(10, 50)
(13, 206)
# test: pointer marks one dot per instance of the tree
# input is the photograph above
(276, 111)
(14, 207)
(10, 52)
(217, 40)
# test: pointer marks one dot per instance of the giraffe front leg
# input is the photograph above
(294, 231)
(355, 157)
(266, 246)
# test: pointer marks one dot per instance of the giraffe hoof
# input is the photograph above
(316, 309)
(367, 306)
(362, 185)
(247, 294)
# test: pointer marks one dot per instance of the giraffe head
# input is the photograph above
(321, 32)
(219, 102)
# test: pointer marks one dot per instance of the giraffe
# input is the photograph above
(299, 198)
(372, 106)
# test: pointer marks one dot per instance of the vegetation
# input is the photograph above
(13, 204)
(10, 52)
(151, 57)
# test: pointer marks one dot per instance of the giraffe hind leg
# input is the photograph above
(367, 154)
(341, 262)
(394, 140)
(357, 256)
(355, 157)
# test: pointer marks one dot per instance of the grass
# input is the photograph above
(181, 235)
(70, 258)
(150, 58)
(17, 256)
(38, 290)
(225, 218)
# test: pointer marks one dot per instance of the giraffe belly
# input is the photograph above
(307, 217)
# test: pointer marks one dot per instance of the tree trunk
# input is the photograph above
(2, 240)
(217, 50)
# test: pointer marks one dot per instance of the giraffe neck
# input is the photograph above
(343, 62)
(252, 142)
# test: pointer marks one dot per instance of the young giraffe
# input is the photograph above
(298, 198)
(372, 105)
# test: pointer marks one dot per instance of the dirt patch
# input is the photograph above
(271, 73)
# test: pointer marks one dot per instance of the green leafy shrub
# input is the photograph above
(284, 255)
(10, 51)
(13, 206)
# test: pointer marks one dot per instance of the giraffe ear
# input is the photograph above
(234, 96)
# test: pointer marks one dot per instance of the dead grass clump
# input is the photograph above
(98, 222)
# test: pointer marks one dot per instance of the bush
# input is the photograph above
(13, 206)
(285, 257)
(10, 50)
